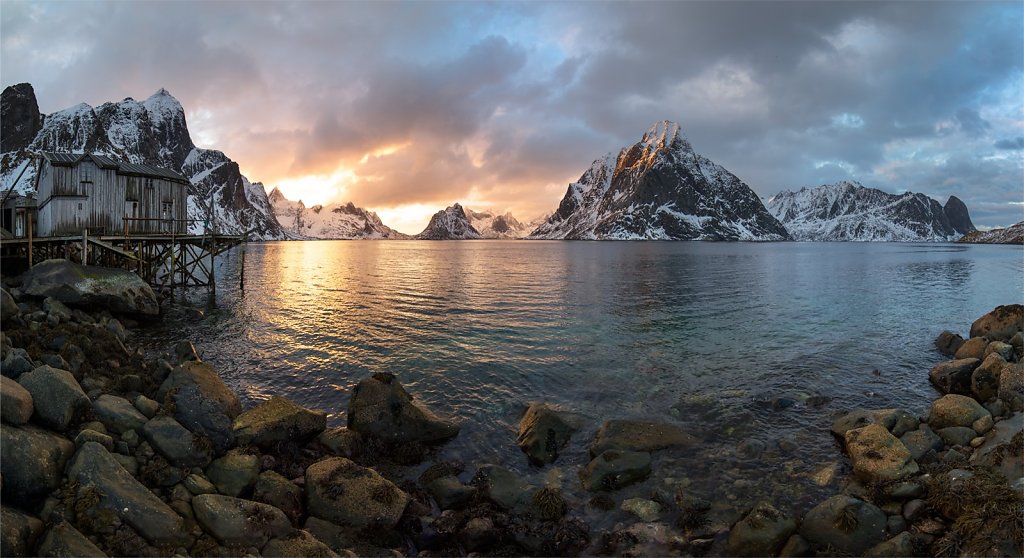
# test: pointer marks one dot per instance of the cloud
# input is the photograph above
(424, 104)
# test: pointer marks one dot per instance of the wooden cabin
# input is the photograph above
(17, 217)
(86, 191)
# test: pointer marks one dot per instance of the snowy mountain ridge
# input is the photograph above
(849, 211)
(152, 132)
(660, 189)
(334, 221)
(450, 223)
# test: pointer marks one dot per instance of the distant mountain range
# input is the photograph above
(658, 188)
(150, 132)
(1014, 234)
(849, 211)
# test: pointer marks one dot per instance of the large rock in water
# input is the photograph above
(847, 524)
(278, 420)
(877, 455)
(87, 286)
(126, 497)
(544, 431)
(33, 462)
(342, 492)
(953, 376)
(381, 407)
(202, 402)
(634, 435)
(762, 532)
(1000, 324)
(614, 469)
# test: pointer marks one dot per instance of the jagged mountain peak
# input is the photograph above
(492, 225)
(847, 210)
(334, 221)
(659, 188)
(451, 223)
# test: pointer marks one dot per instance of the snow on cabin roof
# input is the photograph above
(133, 169)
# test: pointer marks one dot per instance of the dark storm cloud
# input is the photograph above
(505, 103)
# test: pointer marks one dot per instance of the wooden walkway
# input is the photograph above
(165, 261)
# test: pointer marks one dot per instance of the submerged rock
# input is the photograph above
(87, 286)
(33, 462)
(505, 488)
(342, 492)
(1000, 324)
(544, 431)
(381, 407)
(848, 525)
(614, 469)
(633, 435)
(762, 532)
(278, 420)
(126, 497)
(202, 402)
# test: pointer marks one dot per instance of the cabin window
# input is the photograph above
(79, 206)
(84, 170)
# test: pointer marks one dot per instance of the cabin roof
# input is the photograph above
(103, 161)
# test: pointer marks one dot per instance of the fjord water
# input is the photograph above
(728, 339)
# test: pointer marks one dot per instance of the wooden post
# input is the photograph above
(28, 217)
(85, 246)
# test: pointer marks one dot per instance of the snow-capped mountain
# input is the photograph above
(660, 189)
(449, 224)
(1014, 234)
(152, 132)
(334, 221)
(490, 225)
(849, 211)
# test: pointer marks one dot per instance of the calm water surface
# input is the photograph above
(706, 335)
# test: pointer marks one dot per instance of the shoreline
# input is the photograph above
(277, 476)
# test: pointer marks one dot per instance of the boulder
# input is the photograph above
(956, 435)
(985, 378)
(86, 286)
(126, 497)
(896, 421)
(1000, 324)
(202, 402)
(1011, 386)
(478, 534)
(184, 351)
(234, 473)
(544, 431)
(33, 462)
(197, 484)
(18, 532)
(177, 443)
(449, 492)
(795, 546)
(237, 522)
(15, 402)
(505, 488)
(341, 441)
(614, 469)
(848, 525)
(146, 406)
(16, 363)
(896, 547)
(919, 442)
(8, 308)
(337, 538)
(117, 414)
(58, 400)
(953, 376)
(762, 532)
(1004, 350)
(56, 310)
(632, 435)
(972, 348)
(89, 435)
(955, 410)
(645, 510)
(380, 407)
(342, 492)
(1002, 451)
(948, 342)
(64, 541)
(297, 543)
(275, 490)
(877, 455)
(278, 420)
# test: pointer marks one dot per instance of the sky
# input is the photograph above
(408, 107)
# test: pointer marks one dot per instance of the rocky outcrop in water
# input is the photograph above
(660, 189)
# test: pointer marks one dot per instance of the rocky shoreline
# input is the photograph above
(109, 451)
